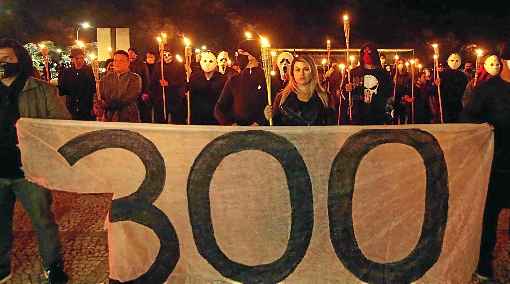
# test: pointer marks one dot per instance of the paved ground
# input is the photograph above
(81, 220)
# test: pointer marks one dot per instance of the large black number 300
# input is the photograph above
(138, 206)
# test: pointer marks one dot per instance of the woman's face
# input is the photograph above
(302, 73)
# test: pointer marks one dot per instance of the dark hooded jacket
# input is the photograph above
(372, 111)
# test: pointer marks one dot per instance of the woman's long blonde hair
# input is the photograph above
(314, 85)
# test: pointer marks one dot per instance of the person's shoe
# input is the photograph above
(486, 280)
(56, 275)
(4, 277)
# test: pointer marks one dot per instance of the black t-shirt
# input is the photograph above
(491, 104)
(10, 156)
(372, 88)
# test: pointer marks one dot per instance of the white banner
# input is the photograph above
(192, 204)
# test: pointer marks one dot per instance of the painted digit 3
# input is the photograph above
(137, 207)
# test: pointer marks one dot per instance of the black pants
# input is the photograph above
(497, 199)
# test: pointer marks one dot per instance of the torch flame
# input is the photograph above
(479, 52)
(264, 42)
(186, 41)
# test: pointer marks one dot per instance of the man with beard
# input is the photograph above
(174, 85)
(205, 88)
(491, 104)
(371, 89)
(79, 86)
(244, 96)
(23, 96)
(452, 83)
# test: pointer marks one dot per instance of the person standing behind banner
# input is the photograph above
(138, 66)
(174, 84)
(78, 85)
(205, 87)
(244, 96)
(21, 95)
(303, 102)
(119, 91)
(491, 104)
(150, 62)
(452, 83)
(371, 89)
(402, 84)
(489, 69)
(423, 91)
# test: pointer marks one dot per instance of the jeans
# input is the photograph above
(37, 203)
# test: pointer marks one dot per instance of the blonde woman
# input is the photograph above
(303, 101)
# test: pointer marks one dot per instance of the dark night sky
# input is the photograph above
(220, 24)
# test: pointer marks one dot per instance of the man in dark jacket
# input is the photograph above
(138, 66)
(23, 96)
(205, 88)
(491, 104)
(174, 84)
(79, 86)
(244, 96)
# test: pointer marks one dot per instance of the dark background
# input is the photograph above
(456, 25)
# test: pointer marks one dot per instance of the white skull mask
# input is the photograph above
(223, 61)
(492, 65)
(370, 87)
(283, 61)
(208, 62)
(454, 61)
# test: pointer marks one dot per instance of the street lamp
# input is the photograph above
(84, 25)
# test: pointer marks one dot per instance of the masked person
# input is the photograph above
(303, 102)
(244, 96)
(283, 61)
(23, 96)
(371, 89)
(205, 88)
(174, 84)
(489, 69)
(491, 104)
(224, 65)
(452, 83)
(78, 85)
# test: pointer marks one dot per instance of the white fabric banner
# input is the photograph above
(193, 204)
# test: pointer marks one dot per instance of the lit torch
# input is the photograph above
(187, 62)
(162, 39)
(435, 46)
(267, 66)
(479, 54)
(347, 34)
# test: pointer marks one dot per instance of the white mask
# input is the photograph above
(223, 61)
(208, 62)
(454, 61)
(492, 65)
(283, 61)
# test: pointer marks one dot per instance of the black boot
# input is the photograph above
(56, 275)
